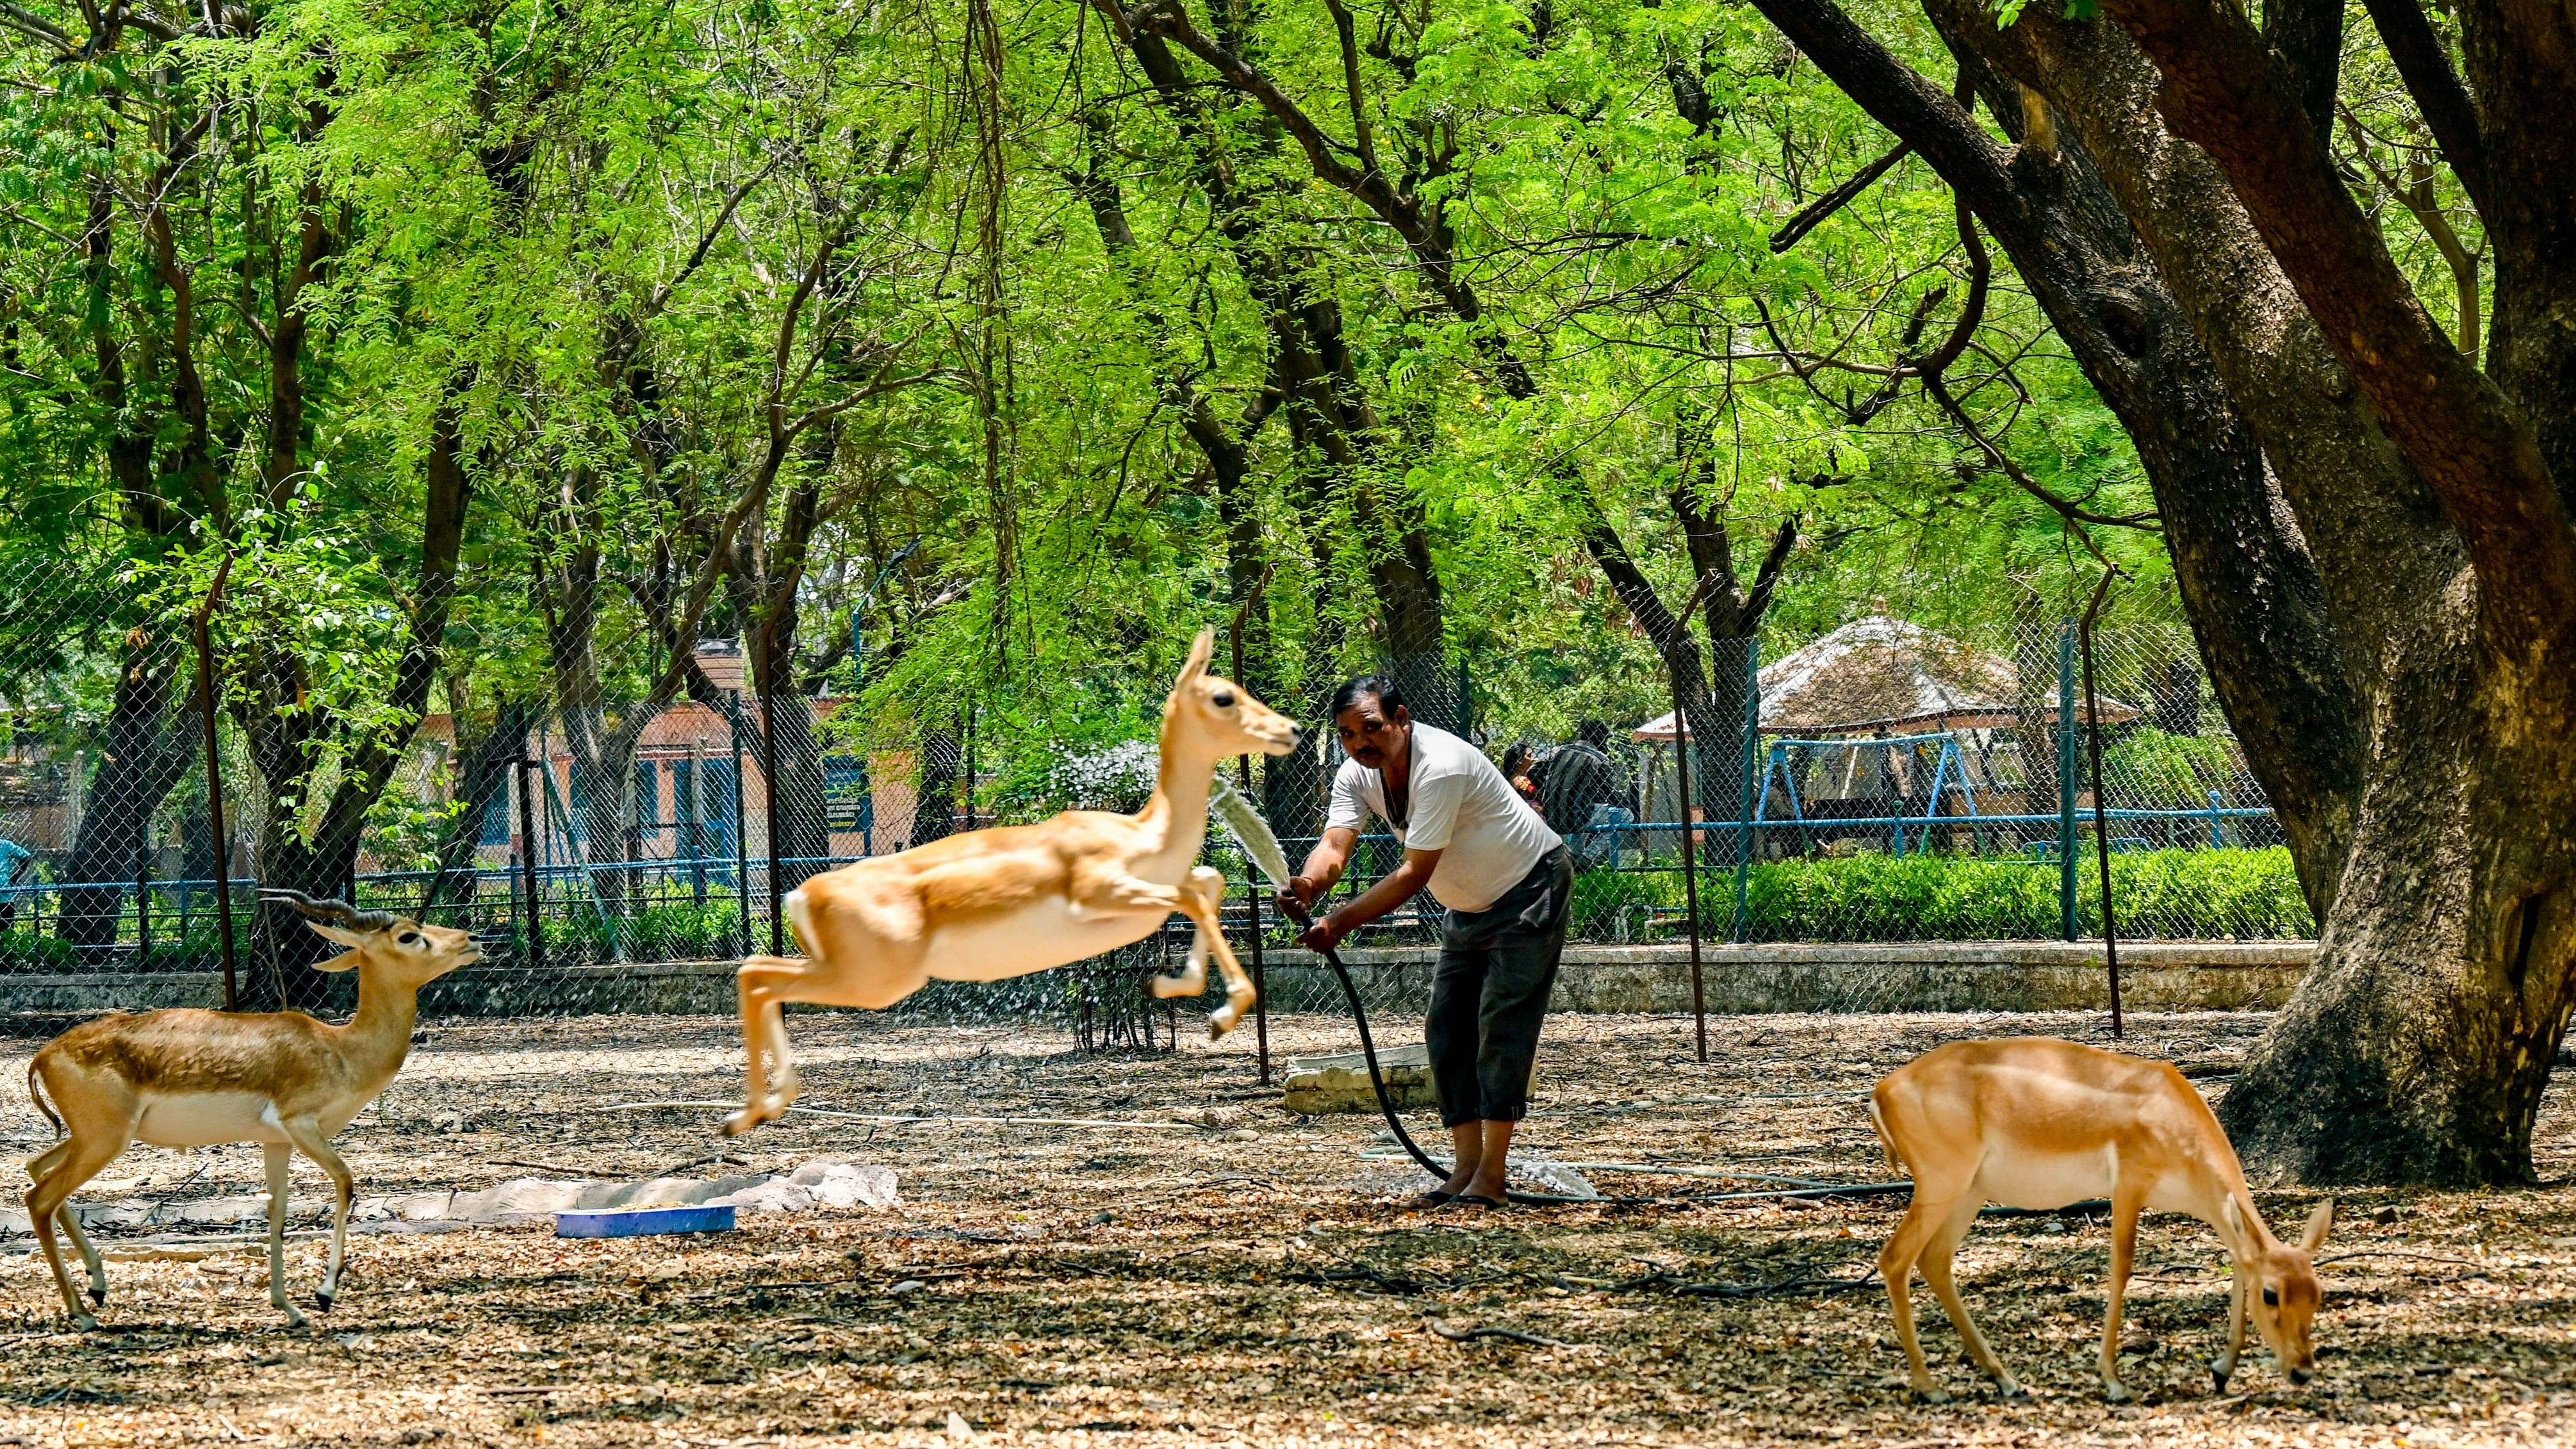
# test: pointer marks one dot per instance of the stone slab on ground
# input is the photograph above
(811, 1185)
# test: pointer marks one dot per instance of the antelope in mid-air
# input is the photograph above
(191, 1078)
(2033, 1122)
(992, 904)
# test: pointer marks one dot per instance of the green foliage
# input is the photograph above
(2169, 894)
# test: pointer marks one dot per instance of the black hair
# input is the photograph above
(1375, 686)
(1594, 733)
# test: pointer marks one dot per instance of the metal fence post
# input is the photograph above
(215, 779)
(741, 837)
(1682, 744)
(2066, 776)
(1752, 745)
(2101, 806)
(769, 806)
(529, 886)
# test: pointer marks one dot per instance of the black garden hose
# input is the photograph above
(1377, 1078)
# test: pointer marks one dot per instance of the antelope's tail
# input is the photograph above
(38, 1097)
(1886, 1143)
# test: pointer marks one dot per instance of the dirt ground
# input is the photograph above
(1250, 1277)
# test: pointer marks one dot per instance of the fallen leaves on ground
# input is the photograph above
(1230, 1274)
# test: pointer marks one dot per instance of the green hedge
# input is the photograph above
(2175, 894)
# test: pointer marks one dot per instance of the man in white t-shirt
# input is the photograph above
(1506, 879)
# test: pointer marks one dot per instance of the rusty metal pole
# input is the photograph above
(1252, 887)
(2101, 816)
(1690, 868)
(215, 778)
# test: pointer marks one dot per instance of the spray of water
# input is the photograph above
(1237, 817)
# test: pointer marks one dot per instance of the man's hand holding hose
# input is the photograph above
(1323, 870)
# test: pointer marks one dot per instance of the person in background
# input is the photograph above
(1506, 880)
(1516, 769)
(13, 859)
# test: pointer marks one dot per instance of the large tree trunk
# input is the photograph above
(2380, 657)
(2418, 1045)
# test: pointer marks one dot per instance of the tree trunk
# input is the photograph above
(2418, 1046)
(2374, 592)
(143, 754)
(934, 794)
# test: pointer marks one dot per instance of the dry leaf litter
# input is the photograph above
(1217, 1271)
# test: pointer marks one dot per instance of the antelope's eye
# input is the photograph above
(2271, 1297)
(1222, 699)
(409, 938)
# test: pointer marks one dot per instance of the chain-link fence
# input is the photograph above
(1881, 782)
(1886, 782)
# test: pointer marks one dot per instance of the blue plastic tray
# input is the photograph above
(638, 1222)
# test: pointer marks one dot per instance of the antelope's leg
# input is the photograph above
(1896, 1260)
(2239, 1282)
(280, 1157)
(1206, 891)
(1937, 1272)
(761, 986)
(1191, 979)
(46, 1202)
(307, 1136)
(2126, 1204)
(37, 1167)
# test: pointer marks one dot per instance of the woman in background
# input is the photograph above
(1516, 768)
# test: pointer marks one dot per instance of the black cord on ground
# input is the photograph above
(1377, 1078)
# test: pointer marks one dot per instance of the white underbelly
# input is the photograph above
(206, 1119)
(2050, 1180)
(997, 947)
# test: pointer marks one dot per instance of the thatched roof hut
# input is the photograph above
(1886, 676)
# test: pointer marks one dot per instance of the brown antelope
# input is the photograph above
(2032, 1122)
(190, 1078)
(991, 904)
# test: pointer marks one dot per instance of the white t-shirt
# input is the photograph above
(1487, 835)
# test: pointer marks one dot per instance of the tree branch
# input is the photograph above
(2479, 453)
(1814, 213)
(2424, 63)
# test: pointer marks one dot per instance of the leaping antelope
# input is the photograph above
(2032, 1122)
(190, 1078)
(991, 904)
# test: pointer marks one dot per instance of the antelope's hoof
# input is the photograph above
(2217, 1380)
(83, 1323)
(741, 1122)
(2009, 1389)
(1928, 1394)
(2115, 1392)
(294, 1319)
(322, 1299)
(98, 1295)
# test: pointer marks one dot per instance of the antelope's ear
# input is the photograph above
(2235, 1218)
(2319, 1223)
(350, 939)
(1203, 649)
(345, 961)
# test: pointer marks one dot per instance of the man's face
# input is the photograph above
(1369, 734)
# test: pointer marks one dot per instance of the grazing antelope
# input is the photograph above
(991, 904)
(2032, 1122)
(189, 1078)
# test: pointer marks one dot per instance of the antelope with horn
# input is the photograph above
(1003, 902)
(2033, 1122)
(191, 1078)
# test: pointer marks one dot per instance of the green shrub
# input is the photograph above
(2172, 894)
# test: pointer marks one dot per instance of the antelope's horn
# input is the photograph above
(337, 913)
